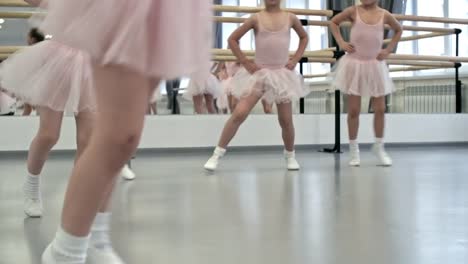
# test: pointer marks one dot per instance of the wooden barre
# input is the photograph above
(13, 3)
(395, 69)
(319, 53)
(307, 12)
(428, 58)
(246, 9)
(329, 13)
(418, 37)
(310, 59)
(421, 63)
(26, 14)
(222, 19)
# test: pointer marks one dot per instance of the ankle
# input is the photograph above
(69, 247)
(219, 151)
(100, 231)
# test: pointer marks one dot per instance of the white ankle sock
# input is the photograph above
(289, 154)
(67, 248)
(31, 187)
(353, 145)
(379, 140)
(100, 238)
(219, 151)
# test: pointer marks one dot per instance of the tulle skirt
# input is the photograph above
(222, 102)
(362, 78)
(165, 39)
(210, 85)
(52, 75)
(275, 85)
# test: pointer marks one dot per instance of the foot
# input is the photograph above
(51, 257)
(47, 257)
(103, 256)
(32, 207)
(379, 151)
(127, 173)
(355, 159)
(291, 162)
(212, 163)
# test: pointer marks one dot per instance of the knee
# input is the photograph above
(48, 139)
(353, 112)
(379, 109)
(82, 140)
(120, 147)
(239, 116)
(286, 123)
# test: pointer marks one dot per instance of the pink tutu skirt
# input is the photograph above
(222, 102)
(210, 85)
(362, 78)
(275, 85)
(164, 39)
(52, 75)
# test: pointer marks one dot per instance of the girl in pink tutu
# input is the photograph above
(203, 92)
(363, 70)
(271, 76)
(133, 47)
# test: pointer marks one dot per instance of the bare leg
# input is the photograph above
(154, 108)
(209, 102)
(84, 124)
(354, 109)
(239, 115)
(232, 103)
(27, 110)
(267, 107)
(45, 139)
(378, 105)
(121, 109)
(198, 104)
(287, 126)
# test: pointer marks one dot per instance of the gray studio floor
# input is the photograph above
(252, 211)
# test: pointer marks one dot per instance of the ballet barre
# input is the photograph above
(393, 69)
(13, 3)
(330, 13)
(222, 19)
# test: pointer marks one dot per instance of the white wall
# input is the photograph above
(259, 130)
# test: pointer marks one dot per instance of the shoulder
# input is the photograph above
(387, 15)
(351, 10)
(292, 17)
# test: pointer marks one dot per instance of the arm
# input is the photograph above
(346, 15)
(35, 3)
(397, 28)
(233, 42)
(303, 40)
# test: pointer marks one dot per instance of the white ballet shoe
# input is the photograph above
(291, 162)
(379, 151)
(212, 163)
(33, 207)
(103, 256)
(127, 173)
(355, 159)
(48, 258)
